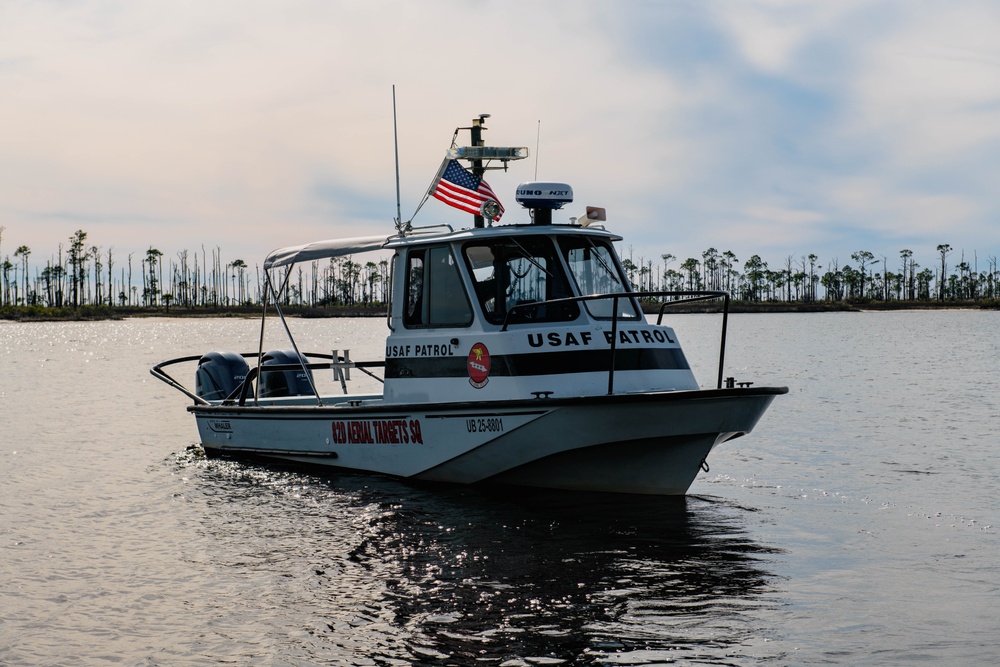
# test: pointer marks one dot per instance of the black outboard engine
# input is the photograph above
(219, 374)
(285, 383)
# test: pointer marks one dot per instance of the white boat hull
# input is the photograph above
(650, 443)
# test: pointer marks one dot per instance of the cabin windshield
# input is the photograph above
(509, 273)
(595, 270)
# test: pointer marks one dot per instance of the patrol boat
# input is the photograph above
(516, 354)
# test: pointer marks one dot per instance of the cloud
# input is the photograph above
(783, 127)
(931, 92)
(898, 216)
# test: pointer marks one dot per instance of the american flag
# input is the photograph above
(458, 187)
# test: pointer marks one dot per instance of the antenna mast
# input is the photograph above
(538, 141)
(478, 125)
(478, 154)
(395, 141)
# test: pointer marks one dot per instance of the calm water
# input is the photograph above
(856, 526)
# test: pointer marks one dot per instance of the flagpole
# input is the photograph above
(430, 188)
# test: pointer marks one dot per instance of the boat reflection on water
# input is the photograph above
(376, 567)
(550, 575)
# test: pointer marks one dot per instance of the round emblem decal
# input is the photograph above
(479, 366)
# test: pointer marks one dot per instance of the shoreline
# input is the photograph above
(98, 313)
(829, 307)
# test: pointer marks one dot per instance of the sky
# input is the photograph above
(771, 127)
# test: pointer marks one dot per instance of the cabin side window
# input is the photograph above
(595, 271)
(513, 275)
(435, 295)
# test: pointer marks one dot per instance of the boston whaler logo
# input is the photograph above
(479, 366)
(220, 425)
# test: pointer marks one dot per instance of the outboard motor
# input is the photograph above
(219, 374)
(284, 383)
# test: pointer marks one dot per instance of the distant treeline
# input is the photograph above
(805, 280)
(79, 275)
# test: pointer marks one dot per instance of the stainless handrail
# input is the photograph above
(243, 389)
(693, 296)
(158, 372)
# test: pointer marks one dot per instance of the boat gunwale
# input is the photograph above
(480, 406)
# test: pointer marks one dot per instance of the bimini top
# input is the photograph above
(360, 244)
(323, 250)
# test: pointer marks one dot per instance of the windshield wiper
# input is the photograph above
(604, 263)
(526, 255)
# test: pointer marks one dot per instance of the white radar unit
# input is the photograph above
(544, 195)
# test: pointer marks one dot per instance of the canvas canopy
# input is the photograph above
(323, 250)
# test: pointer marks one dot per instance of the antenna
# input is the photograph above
(395, 141)
(538, 141)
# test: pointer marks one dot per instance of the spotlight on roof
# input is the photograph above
(489, 210)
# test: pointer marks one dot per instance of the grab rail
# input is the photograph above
(692, 296)
(242, 391)
(161, 375)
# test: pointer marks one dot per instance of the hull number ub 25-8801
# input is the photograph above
(484, 425)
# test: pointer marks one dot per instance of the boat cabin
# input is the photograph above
(502, 313)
